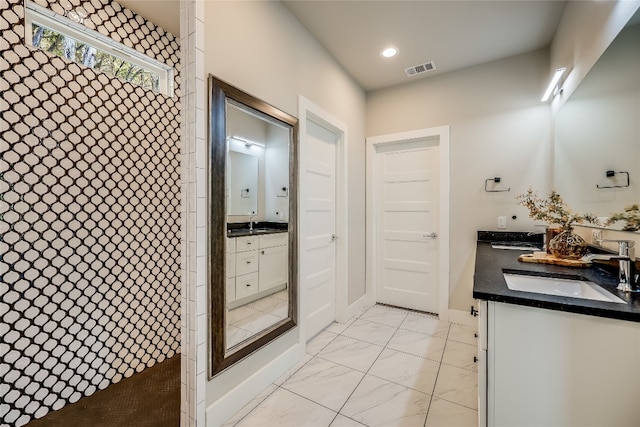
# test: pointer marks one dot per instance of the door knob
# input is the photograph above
(433, 235)
(334, 237)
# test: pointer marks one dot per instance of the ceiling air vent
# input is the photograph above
(420, 68)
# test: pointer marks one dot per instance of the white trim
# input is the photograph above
(307, 110)
(63, 25)
(442, 133)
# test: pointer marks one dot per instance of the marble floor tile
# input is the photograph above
(446, 414)
(463, 333)
(283, 408)
(338, 328)
(425, 325)
(240, 313)
(410, 371)
(293, 370)
(250, 406)
(422, 345)
(236, 335)
(324, 382)
(342, 421)
(370, 332)
(377, 402)
(320, 341)
(355, 354)
(385, 315)
(267, 304)
(458, 385)
(460, 355)
(257, 322)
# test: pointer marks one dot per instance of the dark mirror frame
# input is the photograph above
(219, 92)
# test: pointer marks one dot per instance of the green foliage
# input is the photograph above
(553, 210)
(53, 42)
(631, 216)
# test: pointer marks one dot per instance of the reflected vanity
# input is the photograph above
(252, 215)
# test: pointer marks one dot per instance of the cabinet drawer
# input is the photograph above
(230, 247)
(230, 270)
(246, 285)
(231, 289)
(246, 262)
(271, 240)
(247, 243)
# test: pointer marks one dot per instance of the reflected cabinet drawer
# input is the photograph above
(247, 243)
(246, 262)
(275, 239)
(246, 285)
(230, 246)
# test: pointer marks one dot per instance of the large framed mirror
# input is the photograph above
(252, 264)
(597, 132)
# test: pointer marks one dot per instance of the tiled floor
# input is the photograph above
(247, 320)
(387, 367)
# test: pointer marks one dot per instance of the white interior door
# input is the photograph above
(407, 224)
(319, 230)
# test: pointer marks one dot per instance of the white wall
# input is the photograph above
(585, 31)
(498, 128)
(260, 48)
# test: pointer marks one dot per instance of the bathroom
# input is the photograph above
(497, 127)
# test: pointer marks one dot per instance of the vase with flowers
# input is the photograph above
(555, 211)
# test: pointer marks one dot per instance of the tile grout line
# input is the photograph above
(435, 383)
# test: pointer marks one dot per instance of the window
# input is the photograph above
(63, 37)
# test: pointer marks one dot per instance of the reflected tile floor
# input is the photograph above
(386, 367)
(247, 320)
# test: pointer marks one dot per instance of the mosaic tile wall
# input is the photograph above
(89, 217)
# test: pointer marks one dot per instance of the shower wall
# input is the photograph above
(89, 216)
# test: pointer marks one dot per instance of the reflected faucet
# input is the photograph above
(628, 280)
(251, 224)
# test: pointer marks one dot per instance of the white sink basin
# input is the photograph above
(560, 287)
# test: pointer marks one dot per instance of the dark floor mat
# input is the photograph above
(150, 398)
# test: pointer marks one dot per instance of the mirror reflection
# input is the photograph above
(257, 224)
(252, 263)
(597, 132)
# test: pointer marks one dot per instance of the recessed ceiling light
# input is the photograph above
(389, 52)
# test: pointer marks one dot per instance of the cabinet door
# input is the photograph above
(231, 289)
(231, 265)
(246, 285)
(246, 262)
(552, 368)
(273, 267)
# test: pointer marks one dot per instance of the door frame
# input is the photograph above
(442, 135)
(307, 110)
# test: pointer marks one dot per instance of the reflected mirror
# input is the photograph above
(597, 132)
(252, 216)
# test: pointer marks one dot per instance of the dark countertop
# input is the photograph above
(241, 229)
(489, 284)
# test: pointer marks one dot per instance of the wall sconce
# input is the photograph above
(247, 143)
(553, 84)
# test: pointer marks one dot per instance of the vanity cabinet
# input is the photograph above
(274, 255)
(256, 266)
(553, 368)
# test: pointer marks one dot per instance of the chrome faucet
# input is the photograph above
(628, 280)
(251, 224)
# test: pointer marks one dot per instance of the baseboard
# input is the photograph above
(229, 404)
(356, 308)
(462, 318)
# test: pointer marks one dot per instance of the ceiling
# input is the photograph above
(452, 34)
